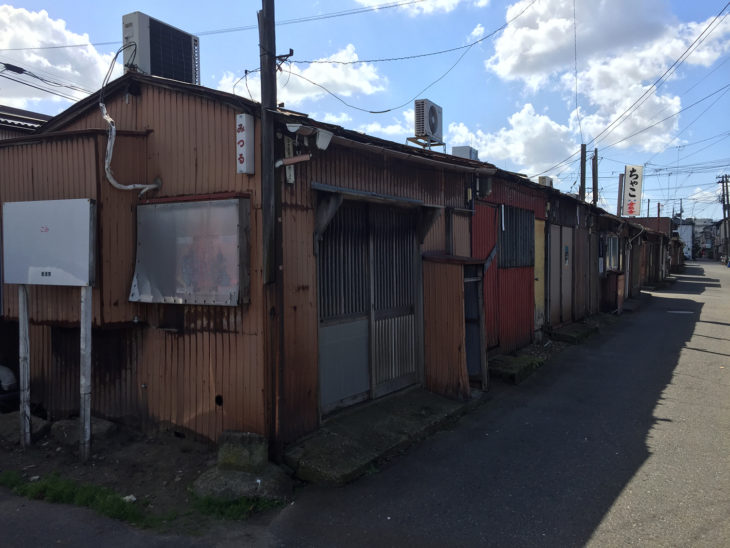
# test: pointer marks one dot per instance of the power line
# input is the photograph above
(658, 82)
(383, 111)
(2, 75)
(725, 87)
(417, 55)
(306, 19)
(575, 65)
(663, 78)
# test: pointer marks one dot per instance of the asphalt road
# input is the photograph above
(623, 440)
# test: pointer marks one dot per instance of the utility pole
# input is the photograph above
(271, 217)
(620, 195)
(658, 210)
(648, 208)
(594, 165)
(725, 215)
(267, 52)
(582, 192)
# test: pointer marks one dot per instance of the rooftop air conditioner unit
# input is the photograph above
(545, 181)
(162, 50)
(465, 152)
(429, 120)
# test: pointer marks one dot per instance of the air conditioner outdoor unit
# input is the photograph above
(545, 181)
(429, 120)
(162, 50)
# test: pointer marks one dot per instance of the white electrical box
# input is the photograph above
(49, 242)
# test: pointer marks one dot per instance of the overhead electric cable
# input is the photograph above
(621, 117)
(663, 78)
(383, 111)
(38, 87)
(306, 19)
(417, 55)
(725, 87)
(575, 69)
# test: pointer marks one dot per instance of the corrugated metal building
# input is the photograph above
(572, 250)
(504, 232)
(355, 220)
(15, 122)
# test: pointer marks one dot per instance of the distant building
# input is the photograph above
(15, 122)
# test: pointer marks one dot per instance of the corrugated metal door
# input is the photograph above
(580, 280)
(344, 309)
(556, 261)
(539, 274)
(566, 274)
(484, 241)
(393, 238)
(367, 312)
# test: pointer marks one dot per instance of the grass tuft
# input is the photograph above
(54, 488)
(11, 479)
(237, 509)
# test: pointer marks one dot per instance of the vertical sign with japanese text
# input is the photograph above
(633, 178)
(244, 144)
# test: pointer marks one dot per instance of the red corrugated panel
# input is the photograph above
(517, 195)
(484, 239)
(516, 307)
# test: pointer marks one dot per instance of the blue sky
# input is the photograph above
(512, 95)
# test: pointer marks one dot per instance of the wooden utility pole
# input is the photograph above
(582, 192)
(594, 165)
(620, 201)
(267, 52)
(725, 215)
(271, 217)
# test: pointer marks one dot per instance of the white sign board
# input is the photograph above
(244, 143)
(49, 242)
(633, 180)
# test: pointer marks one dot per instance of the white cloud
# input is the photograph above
(295, 85)
(84, 67)
(623, 46)
(540, 41)
(340, 119)
(481, 3)
(425, 7)
(533, 141)
(402, 127)
(705, 196)
(477, 33)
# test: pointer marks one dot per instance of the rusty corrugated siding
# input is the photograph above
(300, 401)
(462, 234)
(363, 170)
(581, 279)
(219, 352)
(49, 170)
(436, 237)
(516, 307)
(444, 331)
(484, 240)
(184, 373)
(595, 304)
(514, 194)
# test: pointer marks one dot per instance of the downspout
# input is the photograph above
(112, 133)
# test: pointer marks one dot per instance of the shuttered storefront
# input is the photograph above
(367, 304)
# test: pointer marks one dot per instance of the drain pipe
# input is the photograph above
(112, 133)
